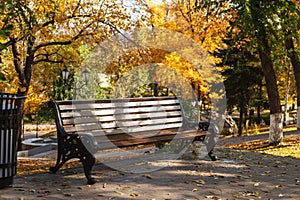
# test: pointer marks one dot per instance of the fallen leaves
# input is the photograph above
(289, 147)
(68, 194)
(119, 192)
(32, 166)
(246, 194)
(256, 184)
(199, 182)
(134, 195)
(251, 175)
(212, 197)
(147, 176)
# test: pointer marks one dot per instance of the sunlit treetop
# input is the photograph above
(36, 30)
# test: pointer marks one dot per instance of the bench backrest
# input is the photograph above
(121, 118)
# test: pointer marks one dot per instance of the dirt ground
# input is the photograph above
(238, 174)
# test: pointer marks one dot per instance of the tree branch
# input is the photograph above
(62, 42)
(47, 60)
(17, 61)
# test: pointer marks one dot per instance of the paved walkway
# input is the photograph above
(236, 175)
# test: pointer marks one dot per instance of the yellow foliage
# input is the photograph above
(297, 2)
(11, 82)
(41, 29)
(35, 99)
(206, 29)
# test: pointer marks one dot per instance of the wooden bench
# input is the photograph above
(87, 126)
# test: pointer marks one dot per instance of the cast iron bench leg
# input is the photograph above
(88, 162)
(61, 159)
(57, 166)
(212, 156)
(72, 147)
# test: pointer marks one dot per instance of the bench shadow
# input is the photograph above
(236, 174)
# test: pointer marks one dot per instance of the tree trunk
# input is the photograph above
(259, 105)
(292, 54)
(20, 131)
(24, 75)
(241, 119)
(276, 130)
(276, 119)
(287, 90)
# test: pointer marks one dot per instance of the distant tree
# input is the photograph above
(290, 17)
(206, 28)
(255, 19)
(37, 31)
(243, 77)
(34, 33)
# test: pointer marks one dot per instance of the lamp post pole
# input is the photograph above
(85, 75)
(35, 119)
(65, 75)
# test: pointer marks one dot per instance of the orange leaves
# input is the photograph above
(32, 166)
(35, 98)
(206, 29)
(44, 28)
(26, 167)
(289, 147)
(297, 2)
(182, 67)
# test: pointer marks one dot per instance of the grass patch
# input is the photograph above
(290, 146)
(33, 166)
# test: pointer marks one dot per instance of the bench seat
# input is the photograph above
(87, 126)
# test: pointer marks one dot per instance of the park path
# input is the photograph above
(238, 174)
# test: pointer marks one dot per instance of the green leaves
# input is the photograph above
(4, 33)
(2, 46)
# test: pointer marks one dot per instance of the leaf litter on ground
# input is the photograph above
(289, 147)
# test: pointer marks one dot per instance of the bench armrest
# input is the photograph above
(209, 126)
(59, 126)
(204, 126)
(89, 141)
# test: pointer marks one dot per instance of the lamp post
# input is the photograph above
(85, 74)
(34, 117)
(65, 75)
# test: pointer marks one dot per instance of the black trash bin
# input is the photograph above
(10, 126)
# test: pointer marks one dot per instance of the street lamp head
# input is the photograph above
(86, 76)
(65, 73)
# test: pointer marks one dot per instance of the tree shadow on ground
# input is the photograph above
(238, 174)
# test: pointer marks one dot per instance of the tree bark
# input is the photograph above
(276, 119)
(259, 105)
(276, 129)
(241, 119)
(292, 54)
(286, 100)
(24, 76)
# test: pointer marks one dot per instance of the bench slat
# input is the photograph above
(125, 141)
(141, 122)
(109, 118)
(87, 128)
(127, 123)
(104, 112)
(113, 104)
